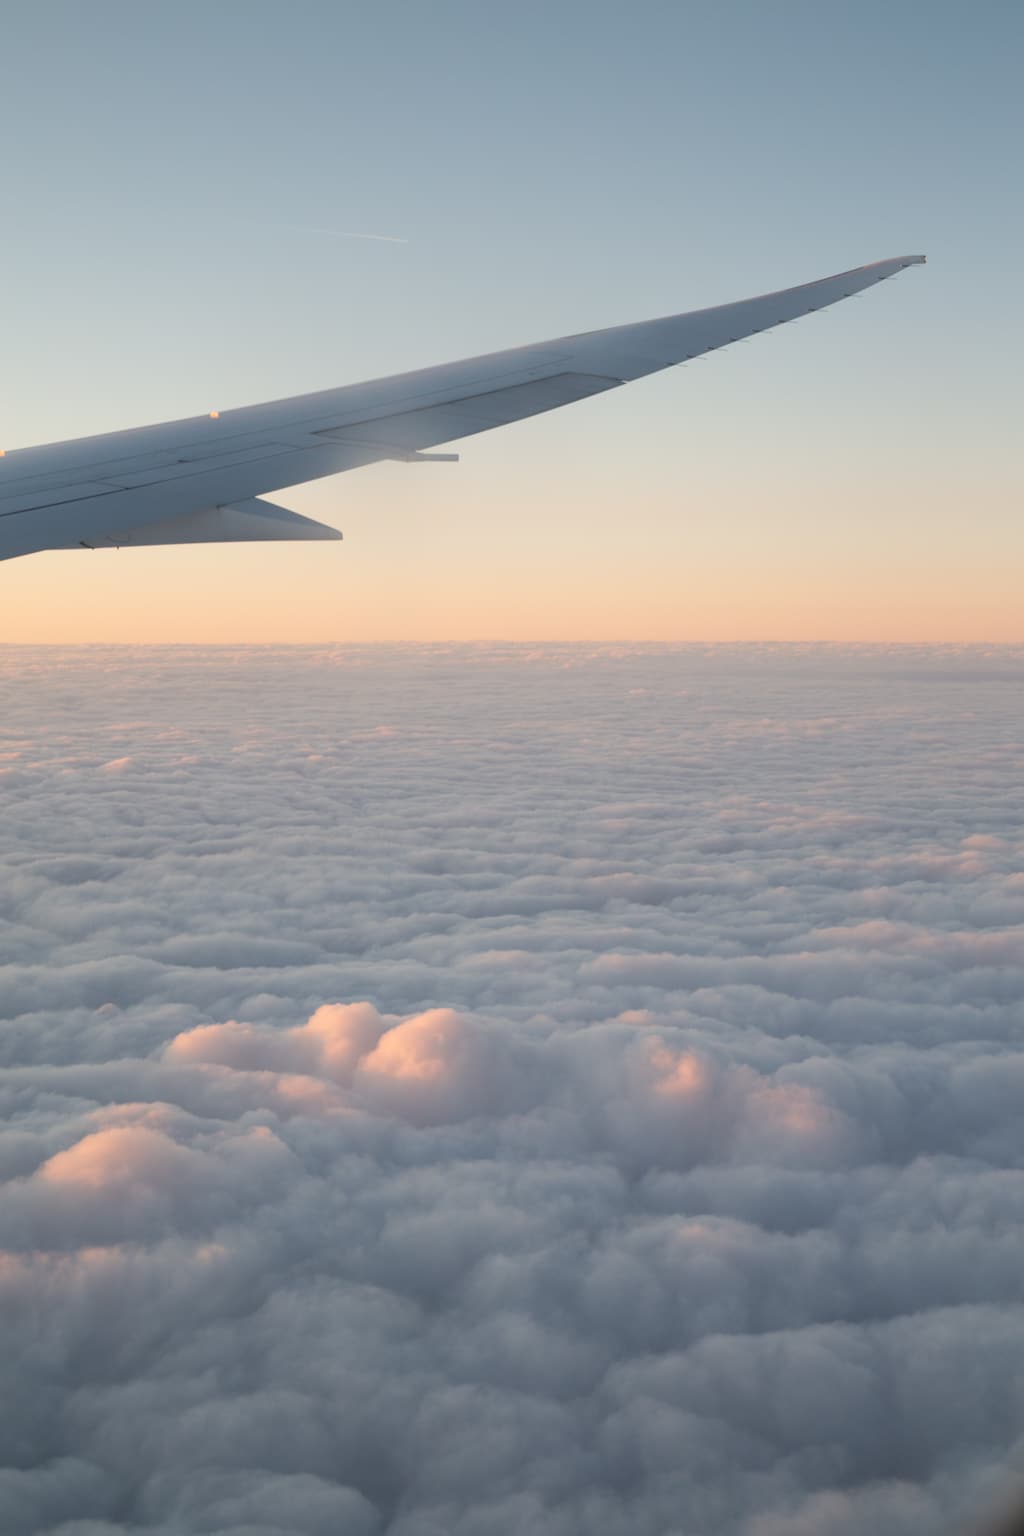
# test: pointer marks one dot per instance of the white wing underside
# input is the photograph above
(197, 480)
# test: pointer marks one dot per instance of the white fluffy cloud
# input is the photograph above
(467, 1092)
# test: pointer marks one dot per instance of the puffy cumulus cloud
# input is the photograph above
(462, 1092)
(330, 1044)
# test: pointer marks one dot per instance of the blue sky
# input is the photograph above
(552, 167)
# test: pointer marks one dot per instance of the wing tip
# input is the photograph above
(888, 265)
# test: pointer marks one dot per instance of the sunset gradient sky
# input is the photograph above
(172, 179)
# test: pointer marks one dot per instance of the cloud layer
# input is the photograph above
(469, 1092)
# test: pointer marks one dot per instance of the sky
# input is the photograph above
(476, 1090)
(179, 184)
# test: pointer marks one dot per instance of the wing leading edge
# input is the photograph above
(198, 480)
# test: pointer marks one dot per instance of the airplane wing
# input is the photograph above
(203, 478)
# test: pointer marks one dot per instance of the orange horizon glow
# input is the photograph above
(450, 560)
(299, 607)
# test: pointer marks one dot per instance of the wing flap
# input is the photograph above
(239, 522)
(432, 424)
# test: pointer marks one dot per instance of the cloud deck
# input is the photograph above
(466, 1091)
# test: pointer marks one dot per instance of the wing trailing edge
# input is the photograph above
(238, 522)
